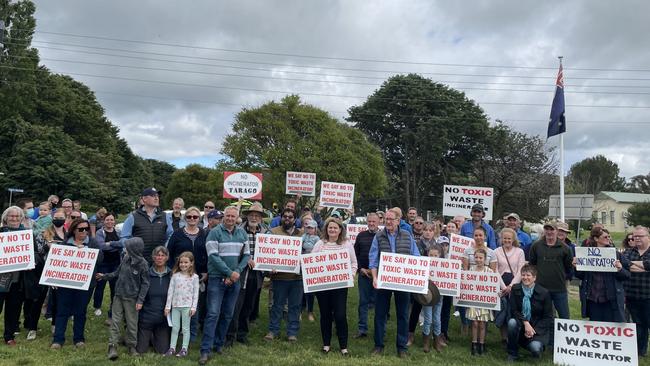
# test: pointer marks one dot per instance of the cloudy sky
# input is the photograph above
(172, 74)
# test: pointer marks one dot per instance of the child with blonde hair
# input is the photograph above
(182, 298)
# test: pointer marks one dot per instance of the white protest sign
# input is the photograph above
(326, 270)
(337, 195)
(300, 183)
(352, 230)
(458, 200)
(277, 252)
(238, 185)
(457, 245)
(583, 342)
(445, 274)
(69, 266)
(595, 259)
(401, 272)
(479, 290)
(17, 249)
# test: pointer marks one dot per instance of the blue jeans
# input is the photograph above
(517, 338)
(382, 306)
(70, 303)
(561, 303)
(220, 306)
(432, 316)
(286, 292)
(366, 298)
(640, 311)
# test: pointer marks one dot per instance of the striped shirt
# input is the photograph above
(228, 251)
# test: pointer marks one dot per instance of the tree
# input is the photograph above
(293, 136)
(639, 214)
(161, 171)
(521, 171)
(639, 184)
(427, 133)
(195, 184)
(593, 175)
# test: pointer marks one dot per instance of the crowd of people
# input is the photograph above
(189, 274)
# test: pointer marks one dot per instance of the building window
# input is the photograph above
(611, 217)
(603, 217)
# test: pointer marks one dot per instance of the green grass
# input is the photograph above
(260, 352)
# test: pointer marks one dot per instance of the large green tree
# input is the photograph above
(427, 132)
(639, 184)
(521, 170)
(196, 184)
(639, 214)
(593, 175)
(293, 136)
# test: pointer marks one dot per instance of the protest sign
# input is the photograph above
(479, 290)
(445, 274)
(337, 195)
(242, 185)
(17, 249)
(352, 230)
(277, 252)
(583, 342)
(457, 245)
(595, 259)
(401, 272)
(458, 200)
(301, 183)
(326, 270)
(69, 266)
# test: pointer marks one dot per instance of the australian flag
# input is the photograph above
(557, 122)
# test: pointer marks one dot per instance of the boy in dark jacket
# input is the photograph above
(130, 290)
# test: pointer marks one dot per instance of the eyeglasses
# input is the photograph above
(287, 217)
(75, 217)
(419, 223)
(66, 206)
(192, 217)
(390, 219)
(639, 236)
(605, 237)
(82, 229)
(209, 207)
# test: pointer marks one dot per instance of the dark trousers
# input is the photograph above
(308, 302)
(640, 310)
(603, 312)
(13, 301)
(382, 306)
(333, 307)
(416, 308)
(98, 295)
(445, 314)
(255, 312)
(516, 338)
(70, 303)
(157, 336)
(239, 326)
(33, 308)
(366, 300)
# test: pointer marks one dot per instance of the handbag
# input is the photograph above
(508, 276)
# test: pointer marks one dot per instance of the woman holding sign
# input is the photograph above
(71, 302)
(12, 283)
(333, 303)
(601, 293)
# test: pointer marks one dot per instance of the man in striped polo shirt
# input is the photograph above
(228, 254)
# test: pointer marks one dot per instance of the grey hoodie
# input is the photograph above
(132, 274)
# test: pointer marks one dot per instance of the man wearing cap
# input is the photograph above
(367, 293)
(467, 230)
(208, 207)
(553, 260)
(563, 235)
(148, 222)
(396, 240)
(250, 281)
(514, 222)
(292, 204)
(214, 218)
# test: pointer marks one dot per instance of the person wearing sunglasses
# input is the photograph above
(71, 302)
(207, 208)
(601, 293)
(191, 238)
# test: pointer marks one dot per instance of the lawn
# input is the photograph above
(305, 352)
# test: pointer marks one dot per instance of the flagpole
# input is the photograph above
(561, 168)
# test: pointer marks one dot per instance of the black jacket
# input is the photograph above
(153, 308)
(541, 311)
(179, 243)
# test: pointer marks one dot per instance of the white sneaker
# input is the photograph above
(456, 313)
(98, 312)
(31, 335)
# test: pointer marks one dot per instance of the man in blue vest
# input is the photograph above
(148, 222)
(396, 240)
(477, 214)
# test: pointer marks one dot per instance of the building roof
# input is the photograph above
(624, 196)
